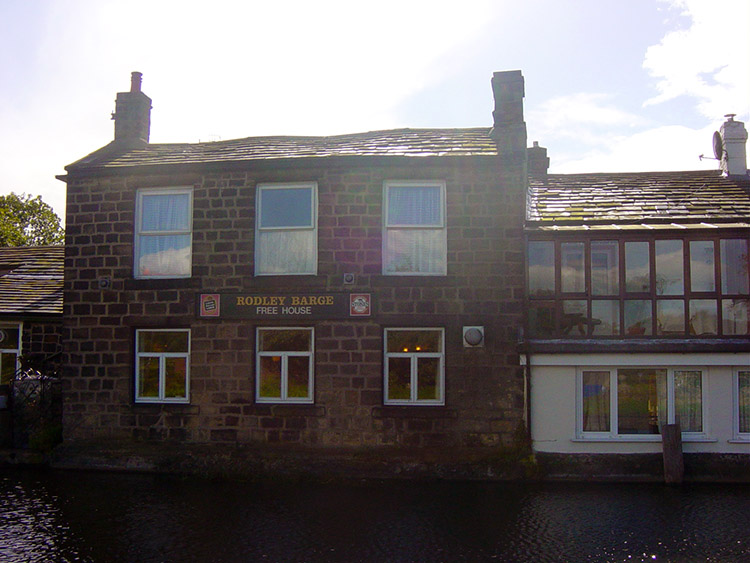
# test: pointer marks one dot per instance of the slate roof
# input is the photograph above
(393, 142)
(632, 200)
(31, 280)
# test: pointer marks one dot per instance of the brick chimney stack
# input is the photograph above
(733, 139)
(132, 115)
(538, 161)
(509, 128)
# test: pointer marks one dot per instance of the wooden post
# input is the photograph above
(674, 469)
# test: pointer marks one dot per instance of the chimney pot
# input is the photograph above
(733, 140)
(135, 81)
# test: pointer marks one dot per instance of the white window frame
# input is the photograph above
(285, 355)
(16, 351)
(176, 190)
(162, 367)
(737, 435)
(313, 227)
(439, 226)
(414, 356)
(613, 433)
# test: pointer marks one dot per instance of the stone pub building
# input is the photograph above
(350, 291)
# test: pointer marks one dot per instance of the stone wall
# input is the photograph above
(104, 306)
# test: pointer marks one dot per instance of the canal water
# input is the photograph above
(59, 516)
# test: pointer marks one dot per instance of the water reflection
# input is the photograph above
(67, 516)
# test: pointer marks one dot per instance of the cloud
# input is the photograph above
(708, 61)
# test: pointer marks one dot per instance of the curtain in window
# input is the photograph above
(595, 401)
(165, 255)
(410, 205)
(641, 401)
(165, 212)
(286, 252)
(688, 409)
(415, 251)
(743, 381)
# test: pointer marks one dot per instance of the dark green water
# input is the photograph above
(80, 516)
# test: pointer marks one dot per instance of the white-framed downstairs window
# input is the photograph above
(742, 404)
(414, 366)
(633, 403)
(286, 229)
(162, 365)
(414, 237)
(10, 351)
(284, 365)
(163, 233)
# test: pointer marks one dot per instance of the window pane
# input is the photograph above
(688, 407)
(399, 379)
(702, 272)
(605, 267)
(165, 212)
(286, 207)
(542, 320)
(572, 260)
(175, 381)
(743, 380)
(605, 318)
(641, 401)
(286, 252)
(163, 341)
(284, 341)
(541, 268)
(409, 205)
(734, 266)
(428, 379)
(7, 367)
(670, 316)
(669, 270)
(575, 319)
(419, 251)
(735, 316)
(595, 401)
(8, 338)
(164, 255)
(409, 341)
(637, 317)
(148, 377)
(270, 377)
(637, 269)
(298, 377)
(704, 317)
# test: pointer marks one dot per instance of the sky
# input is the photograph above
(611, 85)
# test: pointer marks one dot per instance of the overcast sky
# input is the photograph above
(611, 85)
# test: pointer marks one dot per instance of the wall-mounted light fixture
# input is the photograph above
(473, 336)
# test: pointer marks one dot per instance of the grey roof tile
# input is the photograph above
(31, 280)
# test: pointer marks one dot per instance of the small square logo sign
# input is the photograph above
(359, 305)
(210, 305)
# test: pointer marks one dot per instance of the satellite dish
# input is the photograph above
(718, 146)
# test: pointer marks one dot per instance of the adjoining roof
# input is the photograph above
(394, 142)
(31, 280)
(623, 199)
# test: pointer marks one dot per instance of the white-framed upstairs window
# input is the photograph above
(742, 404)
(284, 365)
(162, 365)
(164, 233)
(633, 403)
(286, 229)
(10, 351)
(414, 237)
(414, 366)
